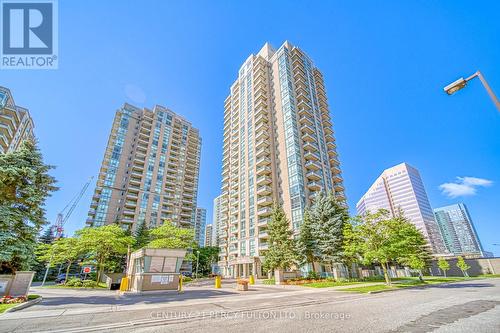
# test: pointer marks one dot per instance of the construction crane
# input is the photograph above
(63, 216)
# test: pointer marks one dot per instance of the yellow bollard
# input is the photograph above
(124, 284)
(251, 280)
(218, 281)
(180, 283)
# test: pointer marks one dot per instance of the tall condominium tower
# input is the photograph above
(401, 187)
(459, 234)
(149, 172)
(200, 221)
(278, 147)
(16, 124)
(216, 221)
(208, 235)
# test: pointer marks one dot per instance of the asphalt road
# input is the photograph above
(470, 306)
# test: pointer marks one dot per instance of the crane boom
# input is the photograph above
(62, 218)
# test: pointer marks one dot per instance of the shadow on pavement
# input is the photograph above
(131, 299)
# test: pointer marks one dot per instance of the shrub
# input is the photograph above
(89, 284)
(269, 281)
(312, 276)
(74, 282)
(186, 279)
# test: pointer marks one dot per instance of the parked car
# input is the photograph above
(61, 278)
(186, 273)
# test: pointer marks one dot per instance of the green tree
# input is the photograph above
(281, 254)
(462, 265)
(307, 244)
(25, 184)
(206, 257)
(350, 247)
(169, 236)
(141, 236)
(328, 218)
(62, 251)
(443, 265)
(102, 243)
(47, 237)
(384, 239)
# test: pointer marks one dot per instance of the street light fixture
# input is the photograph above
(461, 83)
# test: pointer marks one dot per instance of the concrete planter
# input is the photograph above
(24, 305)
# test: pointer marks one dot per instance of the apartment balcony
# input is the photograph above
(265, 201)
(263, 234)
(260, 111)
(308, 137)
(233, 250)
(260, 103)
(306, 120)
(261, 144)
(335, 169)
(129, 212)
(224, 208)
(305, 112)
(264, 180)
(132, 195)
(305, 128)
(337, 178)
(264, 211)
(263, 221)
(263, 161)
(126, 220)
(332, 154)
(263, 170)
(234, 211)
(263, 246)
(94, 203)
(263, 126)
(135, 181)
(262, 152)
(329, 138)
(308, 146)
(313, 175)
(133, 189)
(262, 118)
(264, 190)
(311, 156)
(331, 144)
(314, 186)
(262, 135)
(312, 165)
(130, 203)
(338, 187)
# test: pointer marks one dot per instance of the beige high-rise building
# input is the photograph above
(208, 235)
(16, 125)
(401, 188)
(149, 172)
(278, 147)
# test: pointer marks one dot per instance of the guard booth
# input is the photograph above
(155, 269)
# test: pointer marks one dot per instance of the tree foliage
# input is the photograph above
(169, 236)
(443, 265)
(463, 266)
(62, 251)
(102, 243)
(206, 257)
(25, 184)
(328, 218)
(141, 236)
(307, 243)
(281, 254)
(381, 238)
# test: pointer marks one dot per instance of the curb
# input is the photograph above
(24, 305)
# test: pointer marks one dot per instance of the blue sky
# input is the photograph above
(384, 63)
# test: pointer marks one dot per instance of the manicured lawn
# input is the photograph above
(4, 307)
(367, 289)
(62, 286)
(327, 284)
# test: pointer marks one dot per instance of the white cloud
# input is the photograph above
(464, 186)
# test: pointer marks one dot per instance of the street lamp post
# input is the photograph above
(197, 262)
(461, 83)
